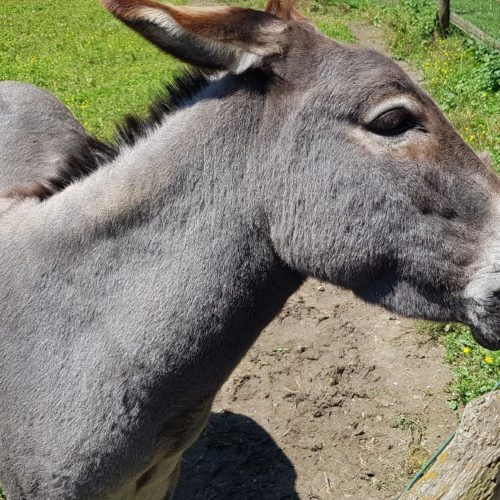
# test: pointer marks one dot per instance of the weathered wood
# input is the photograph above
(443, 16)
(469, 468)
(470, 29)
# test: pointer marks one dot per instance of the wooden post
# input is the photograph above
(469, 468)
(443, 16)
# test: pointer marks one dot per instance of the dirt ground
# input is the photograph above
(337, 399)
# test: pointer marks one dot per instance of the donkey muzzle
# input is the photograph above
(484, 311)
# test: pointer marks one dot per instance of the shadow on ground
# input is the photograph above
(236, 459)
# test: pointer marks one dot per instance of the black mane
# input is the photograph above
(175, 96)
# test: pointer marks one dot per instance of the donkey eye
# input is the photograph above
(393, 122)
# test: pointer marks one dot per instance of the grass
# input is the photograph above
(96, 66)
(475, 369)
(485, 14)
(416, 455)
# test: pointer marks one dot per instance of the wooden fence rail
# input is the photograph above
(470, 29)
(445, 17)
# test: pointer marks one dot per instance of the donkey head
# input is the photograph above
(362, 180)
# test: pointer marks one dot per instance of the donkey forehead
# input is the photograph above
(355, 79)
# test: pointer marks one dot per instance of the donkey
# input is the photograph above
(41, 144)
(130, 294)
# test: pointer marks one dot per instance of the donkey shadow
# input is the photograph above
(235, 459)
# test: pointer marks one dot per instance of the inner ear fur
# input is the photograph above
(284, 9)
(230, 38)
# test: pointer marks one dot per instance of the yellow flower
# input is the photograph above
(466, 350)
(488, 359)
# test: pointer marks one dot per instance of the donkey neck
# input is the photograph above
(165, 249)
(209, 141)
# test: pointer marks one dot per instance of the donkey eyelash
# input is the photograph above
(403, 102)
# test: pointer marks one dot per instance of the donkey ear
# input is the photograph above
(284, 9)
(222, 38)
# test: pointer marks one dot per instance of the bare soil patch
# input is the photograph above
(337, 399)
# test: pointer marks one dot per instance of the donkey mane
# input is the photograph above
(176, 95)
(92, 153)
(88, 157)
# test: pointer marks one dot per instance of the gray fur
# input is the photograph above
(128, 297)
(38, 134)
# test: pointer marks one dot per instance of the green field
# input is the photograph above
(485, 14)
(102, 70)
(99, 68)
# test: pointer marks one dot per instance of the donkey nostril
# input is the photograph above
(445, 213)
(449, 214)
